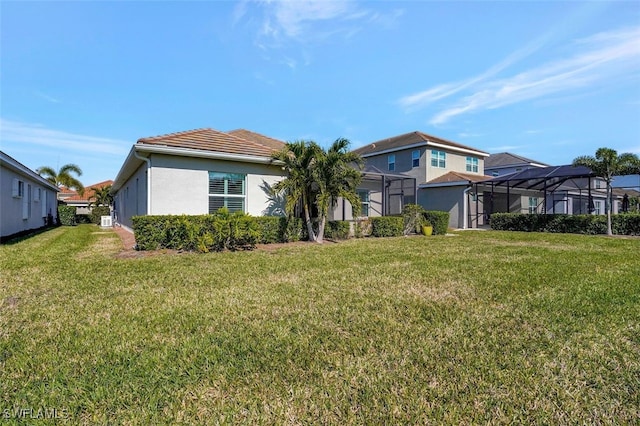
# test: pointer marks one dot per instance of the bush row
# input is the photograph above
(439, 220)
(216, 232)
(239, 231)
(621, 224)
(68, 216)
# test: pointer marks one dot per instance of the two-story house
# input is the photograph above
(444, 171)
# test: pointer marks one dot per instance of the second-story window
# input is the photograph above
(438, 159)
(472, 164)
(415, 158)
(391, 161)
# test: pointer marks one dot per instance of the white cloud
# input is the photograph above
(36, 134)
(600, 59)
(312, 21)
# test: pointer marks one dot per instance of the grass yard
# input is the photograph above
(483, 327)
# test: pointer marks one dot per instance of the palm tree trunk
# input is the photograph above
(307, 218)
(321, 224)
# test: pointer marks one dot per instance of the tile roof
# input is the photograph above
(505, 159)
(258, 138)
(458, 177)
(411, 138)
(68, 194)
(210, 140)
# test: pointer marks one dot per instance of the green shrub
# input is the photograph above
(439, 220)
(67, 215)
(83, 218)
(362, 228)
(414, 219)
(97, 213)
(621, 224)
(337, 229)
(219, 231)
(387, 226)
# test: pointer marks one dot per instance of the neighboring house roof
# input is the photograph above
(242, 146)
(507, 159)
(13, 164)
(414, 139)
(258, 138)
(454, 178)
(70, 195)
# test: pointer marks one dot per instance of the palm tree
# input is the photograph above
(299, 159)
(63, 177)
(607, 164)
(337, 177)
(101, 196)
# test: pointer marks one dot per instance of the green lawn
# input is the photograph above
(482, 327)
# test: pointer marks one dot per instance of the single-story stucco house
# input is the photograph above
(27, 200)
(197, 172)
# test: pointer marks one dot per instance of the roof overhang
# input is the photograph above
(133, 160)
(427, 143)
(13, 164)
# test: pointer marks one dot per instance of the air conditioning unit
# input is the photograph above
(105, 221)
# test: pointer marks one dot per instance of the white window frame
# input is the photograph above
(17, 188)
(598, 206)
(365, 202)
(225, 196)
(391, 162)
(438, 159)
(472, 164)
(533, 205)
(415, 158)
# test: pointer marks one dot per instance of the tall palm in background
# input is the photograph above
(336, 177)
(63, 177)
(607, 164)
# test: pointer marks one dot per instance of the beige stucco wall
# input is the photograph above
(180, 185)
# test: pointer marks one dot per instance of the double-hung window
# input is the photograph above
(472, 164)
(438, 159)
(533, 205)
(415, 158)
(17, 188)
(598, 207)
(364, 203)
(227, 190)
(391, 161)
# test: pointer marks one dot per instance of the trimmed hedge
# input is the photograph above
(387, 226)
(439, 220)
(216, 232)
(67, 215)
(621, 224)
(97, 213)
(337, 229)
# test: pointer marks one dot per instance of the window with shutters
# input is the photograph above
(17, 188)
(226, 190)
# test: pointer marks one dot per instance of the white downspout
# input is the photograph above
(148, 161)
(465, 207)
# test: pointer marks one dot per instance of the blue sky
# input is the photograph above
(82, 81)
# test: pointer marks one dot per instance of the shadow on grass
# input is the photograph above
(25, 235)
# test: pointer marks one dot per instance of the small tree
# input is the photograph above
(63, 177)
(299, 160)
(607, 164)
(316, 177)
(336, 176)
(101, 196)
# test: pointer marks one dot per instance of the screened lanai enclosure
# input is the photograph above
(548, 190)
